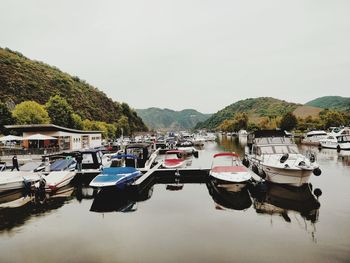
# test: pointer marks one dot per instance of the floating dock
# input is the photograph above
(160, 175)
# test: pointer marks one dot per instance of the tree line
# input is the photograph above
(326, 119)
(58, 111)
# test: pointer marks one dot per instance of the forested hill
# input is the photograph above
(156, 118)
(23, 79)
(331, 102)
(253, 107)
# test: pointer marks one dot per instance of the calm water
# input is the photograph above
(282, 225)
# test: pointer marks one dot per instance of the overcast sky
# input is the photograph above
(189, 54)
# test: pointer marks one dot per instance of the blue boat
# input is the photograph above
(118, 177)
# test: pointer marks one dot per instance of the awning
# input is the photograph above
(11, 138)
(39, 137)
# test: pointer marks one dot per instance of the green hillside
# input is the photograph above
(23, 79)
(331, 102)
(255, 108)
(156, 118)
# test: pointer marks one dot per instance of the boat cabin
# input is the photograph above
(142, 150)
(271, 142)
(343, 138)
(92, 159)
(274, 149)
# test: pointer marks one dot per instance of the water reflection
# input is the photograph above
(281, 199)
(17, 208)
(225, 196)
(232, 144)
(114, 200)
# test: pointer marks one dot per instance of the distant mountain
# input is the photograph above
(254, 107)
(156, 118)
(331, 102)
(23, 79)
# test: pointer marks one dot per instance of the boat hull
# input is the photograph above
(114, 180)
(58, 179)
(16, 180)
(335, 145)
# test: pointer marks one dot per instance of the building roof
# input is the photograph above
(46, 127)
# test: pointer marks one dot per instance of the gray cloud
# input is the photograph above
(189, 54)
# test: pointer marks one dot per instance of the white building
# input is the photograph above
(67, 139)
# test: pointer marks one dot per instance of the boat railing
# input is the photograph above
(31, 151)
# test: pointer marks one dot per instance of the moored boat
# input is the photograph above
(17, 180)
(174, 159)
(60, 174)
(338, 139)
(314, 137)
(227, 168)
(117, 177)
(276, 158)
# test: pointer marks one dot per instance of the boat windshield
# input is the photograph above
(273, 140)
(278, 149)
(225, 161)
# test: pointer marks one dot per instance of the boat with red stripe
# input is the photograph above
(228, 168)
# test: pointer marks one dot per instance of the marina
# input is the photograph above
(174, 131)
(183, 210)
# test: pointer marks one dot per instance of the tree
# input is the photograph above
(240, 121)
(226, 126)
(332, 118)
(5, 117)
(288, 122)
(123, 124)
(77, 122)
(30, 112)
(60, 111)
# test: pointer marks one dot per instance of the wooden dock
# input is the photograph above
(160, 175)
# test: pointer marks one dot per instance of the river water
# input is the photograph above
(194, 224)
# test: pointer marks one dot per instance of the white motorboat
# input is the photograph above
(174, 159)
(198, 141)
(227, 168)
(17, 180)
(276, 158)
(61, 174)
(314, 137)
(337, 140)
(211, 137)
(242, 133)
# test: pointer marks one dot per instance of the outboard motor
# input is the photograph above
(245, 162)
(284, 157)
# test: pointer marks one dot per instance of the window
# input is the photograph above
(87, 158)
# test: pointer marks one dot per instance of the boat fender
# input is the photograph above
(245, 162)
(262, 174)
(312, 158)
(338, 148)
(284, 157)
(317, 171)
(317, 192)
(255, 169)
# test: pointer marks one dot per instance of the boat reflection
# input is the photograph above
(115, 200)
(226, 196)
(278, 199)
(17, 208)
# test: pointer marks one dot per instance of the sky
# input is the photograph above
(180, 54)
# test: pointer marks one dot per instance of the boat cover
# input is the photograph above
(119, 170)
(61, 165)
